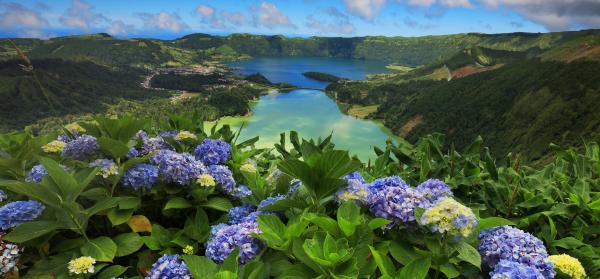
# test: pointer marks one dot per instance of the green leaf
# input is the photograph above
(231, 262)
(377, 223)
(385, 264)
(35, 191)
(200, 267)
(118, 217)
(129, 202)
(114, 148)
(31, 230)
(324, 222)
(197, 227)
(468, 253)
(348, 216)
(101, 205)
(271, 225)
(177, 203)
(492, 222)
(416, 269)
(128, 243)
(112, 272)
(221, 204)
(450, 271)
(102, 249)
(66, 183)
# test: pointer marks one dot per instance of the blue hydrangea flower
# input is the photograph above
(132, 153)
(169, 266)
(107, 167)
(215, 229)
(450, 217)
(269, 201)
(434, 189)
(238, 213)
(15, 213)
(168, 134)
(2, 196)
(381, 183)
(511, 244)
(36, 174)
(9, 256)
(295, 184)
(38, 171)
(356, 176)
(253, 215)
(227, 238)
(140, 176)
(241, 192)
(355, 190)
(274, 176)
(178, 168)
(397, 204)
(222, 176)
(154, 144)
(514, 270)
(81, 148)
(212, 152)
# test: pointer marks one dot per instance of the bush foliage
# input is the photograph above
(124, 198)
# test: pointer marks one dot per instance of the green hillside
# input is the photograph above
(58, 87)
(522, 106)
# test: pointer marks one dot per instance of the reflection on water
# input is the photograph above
(309, 112)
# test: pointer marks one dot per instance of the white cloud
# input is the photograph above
(336, 27)
(235, 18)
(365, 9)
(268, 15)
(118, 27)
(163, 21)
(555, 15)
(205, 11)
(446, 3)
(81, 15)
(16, 15)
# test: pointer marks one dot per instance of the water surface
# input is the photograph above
(309, 112)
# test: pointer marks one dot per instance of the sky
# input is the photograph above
(303, 18)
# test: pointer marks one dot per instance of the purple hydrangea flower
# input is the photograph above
(212, 152)
(253, 215)
(355, 190)
(356, 176)
(222, 176)
(154, 144)
(269, 201)
(295, 184)
(511, 244)
(241, 192)
(9, 256)
(168, 134)
(179, 168)
(132, 153)
(434, 189)
(169, 266)
(140, 176)
(238, 213)
(514, 270)
(227, 238)
(81, 148)
(36, 174)
(381, 183)
(397, 204)
(15, 213)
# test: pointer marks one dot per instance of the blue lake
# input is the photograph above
(309, 112)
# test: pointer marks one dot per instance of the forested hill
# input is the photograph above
(411, 51)
(521, 107)
(57, 87)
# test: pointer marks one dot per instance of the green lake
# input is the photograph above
(309, 112)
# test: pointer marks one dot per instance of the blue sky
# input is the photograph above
(171, 19)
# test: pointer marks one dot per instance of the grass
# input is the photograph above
(362, 111)
(399, 68)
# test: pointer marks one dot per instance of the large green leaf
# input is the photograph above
(348, 216)
(218, 203)
(102, 249)
(31, 230)
(200, 267)
(468, 253)
(127, 244)
(67, 184)
(416, 269)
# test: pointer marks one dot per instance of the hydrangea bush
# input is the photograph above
(124, 198)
